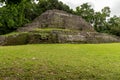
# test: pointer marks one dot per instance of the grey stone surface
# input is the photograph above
(58, 19)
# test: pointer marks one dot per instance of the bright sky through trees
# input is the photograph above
(97, 4)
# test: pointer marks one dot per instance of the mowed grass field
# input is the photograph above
(60, 62)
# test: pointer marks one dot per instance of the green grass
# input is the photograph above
(50, 29)
(60, 62)
(13, 33)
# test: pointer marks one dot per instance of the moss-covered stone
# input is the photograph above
(56, 36)
(15, 39)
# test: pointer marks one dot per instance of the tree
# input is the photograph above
(44, 5)
(86, 11)
(100, 20)
(106, 12)
(13, 16)
(114, 25)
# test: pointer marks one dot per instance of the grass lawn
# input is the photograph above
(60, 62)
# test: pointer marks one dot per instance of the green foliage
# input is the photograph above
(99, 22)
(12, 2)
(85, 11)
(44, 5)
(14, 16)
(10, 19)
(114, 25)
(106, 12)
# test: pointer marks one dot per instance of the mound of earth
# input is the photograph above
(55, 26)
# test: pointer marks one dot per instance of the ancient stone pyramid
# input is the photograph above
(58, 19)
(55, 26)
